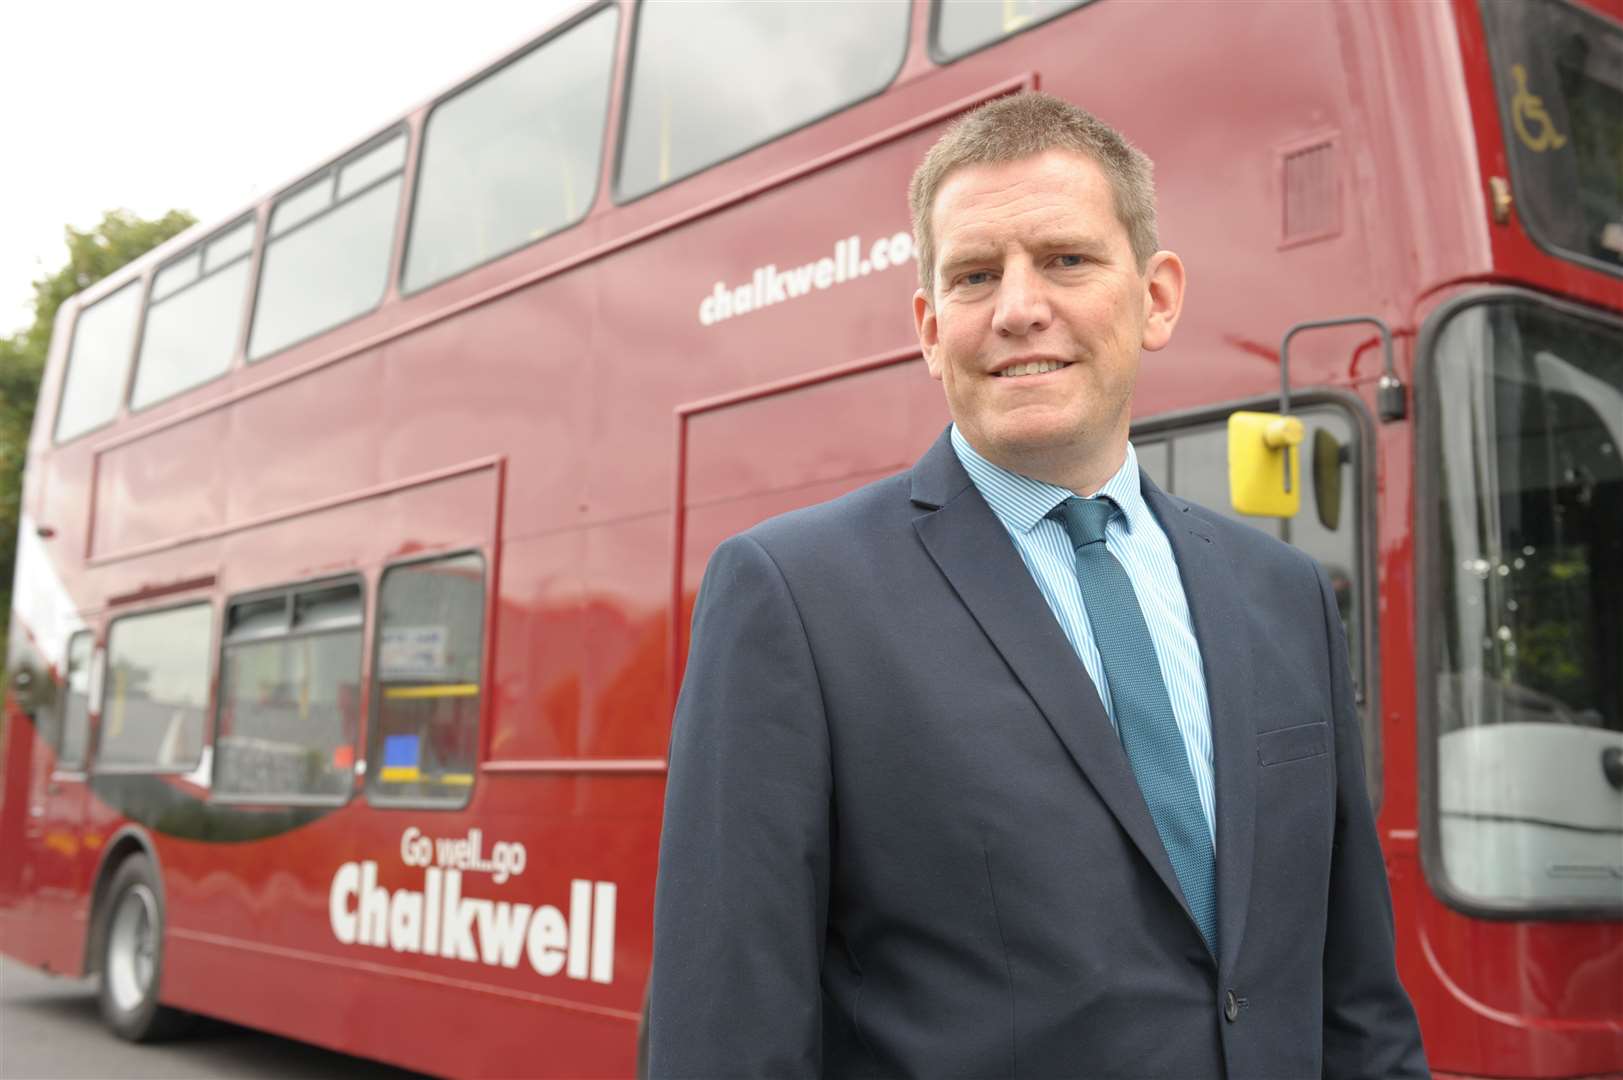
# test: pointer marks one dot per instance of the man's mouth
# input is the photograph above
(1036, 367)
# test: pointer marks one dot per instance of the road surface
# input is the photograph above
(50, 1030)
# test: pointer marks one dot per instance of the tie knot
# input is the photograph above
(1085, 519)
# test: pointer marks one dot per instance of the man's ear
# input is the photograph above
(924, 322)
(1163, 286)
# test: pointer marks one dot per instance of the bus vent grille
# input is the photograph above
(1312, 206)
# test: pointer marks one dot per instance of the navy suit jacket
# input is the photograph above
(902, 837)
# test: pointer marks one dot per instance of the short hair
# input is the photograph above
(1025, 125)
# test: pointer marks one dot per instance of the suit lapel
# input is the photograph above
(974, 552)
(1208, 584)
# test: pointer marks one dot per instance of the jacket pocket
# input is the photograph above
(1293, 743)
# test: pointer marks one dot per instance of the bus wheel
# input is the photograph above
(132, 957)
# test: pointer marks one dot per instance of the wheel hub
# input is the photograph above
(132, 948)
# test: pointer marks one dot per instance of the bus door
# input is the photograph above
(751, 455)
(54, 836)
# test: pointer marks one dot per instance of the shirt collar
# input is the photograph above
(1021, 502)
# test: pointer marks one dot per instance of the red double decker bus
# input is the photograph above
(361, 529)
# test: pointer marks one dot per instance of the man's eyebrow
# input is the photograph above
(957, 257)
(1081, 243)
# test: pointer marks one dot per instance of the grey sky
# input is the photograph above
(205, 106)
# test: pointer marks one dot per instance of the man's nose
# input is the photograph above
(1022, 302)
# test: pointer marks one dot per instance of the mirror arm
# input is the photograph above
(1391, 398)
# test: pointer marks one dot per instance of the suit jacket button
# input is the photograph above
(1231, 1007)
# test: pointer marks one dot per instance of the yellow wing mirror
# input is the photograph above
(1265, 470)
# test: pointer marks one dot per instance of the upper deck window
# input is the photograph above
(962, 26)
(327, 259)
(513, 157)
(709, 81)
(194, 317)
(1559, 73)
(103, 336)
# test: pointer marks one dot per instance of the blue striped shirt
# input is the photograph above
(1135, 538)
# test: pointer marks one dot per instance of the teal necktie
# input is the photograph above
(1143, 710)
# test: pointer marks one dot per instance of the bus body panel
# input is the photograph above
(593, 413)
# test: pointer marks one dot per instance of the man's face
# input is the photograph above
(1040, 312)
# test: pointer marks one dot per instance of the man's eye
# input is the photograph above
(976, 277)
(1069, 260)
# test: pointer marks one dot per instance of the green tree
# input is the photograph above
(92, 255)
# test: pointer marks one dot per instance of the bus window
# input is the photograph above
(1193, 464)
(362, 171)
(513, 157)
(1155, 459)
(194, 317)
(327, 259)
(103, 336)
(156, 690)
(1198, 469)
(426, 683)
(290, 681)
(709, 81)
(1526, 607)
(1559, 73)
(962, 26)
(75, 705)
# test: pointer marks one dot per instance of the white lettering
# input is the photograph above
(879, 254)
(456, 935)
(343, 920)
(431, 914)
(800, 279)
(547, 938)
(501, 932)
(767, 285)
(775, 293)
(507, 860)
(440, 921)
(603, 933)
(580, 927)
(901, 248)
(406, 922)
(415, 848)
(374, 907)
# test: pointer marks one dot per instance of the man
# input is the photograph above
(1013, 765)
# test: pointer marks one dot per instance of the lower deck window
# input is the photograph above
(75, 706)
(426, 699)
(157, 689)
(290, 685)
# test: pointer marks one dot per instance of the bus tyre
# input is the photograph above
(132, 957)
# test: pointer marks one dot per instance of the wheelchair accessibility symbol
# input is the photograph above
(1527, 115)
